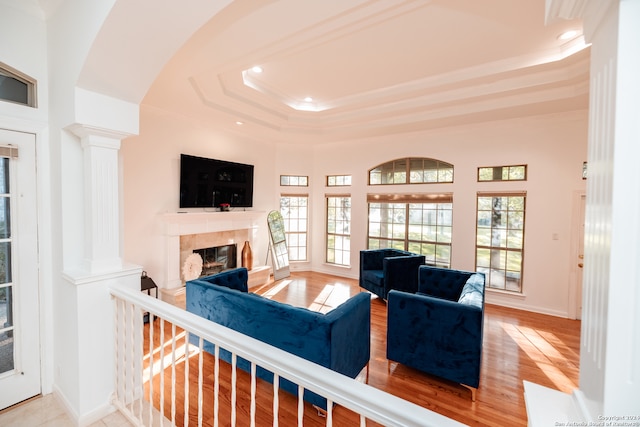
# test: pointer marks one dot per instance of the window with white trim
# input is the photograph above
(338, 180)
(502, 173)
(295, 213)
(294, 181)
(17, 87)
(412, 170)
(338, 249)
(500, 239)
(418, 223)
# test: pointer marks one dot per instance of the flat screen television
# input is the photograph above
(206, 183)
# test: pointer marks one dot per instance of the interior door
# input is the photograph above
(19, 302)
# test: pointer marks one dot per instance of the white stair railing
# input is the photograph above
(170, 352)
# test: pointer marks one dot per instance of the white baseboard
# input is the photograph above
(83, 420)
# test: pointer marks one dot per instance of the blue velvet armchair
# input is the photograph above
(384, 269)
(438, 330)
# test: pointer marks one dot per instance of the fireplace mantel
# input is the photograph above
(176, 225)
(180, 224)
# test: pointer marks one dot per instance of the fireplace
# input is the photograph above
(218, 258)
(185, 233)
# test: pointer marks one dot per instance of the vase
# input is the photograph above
(247, 255)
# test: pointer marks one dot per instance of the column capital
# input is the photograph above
(95, 136)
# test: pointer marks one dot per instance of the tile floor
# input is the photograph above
(48, 411)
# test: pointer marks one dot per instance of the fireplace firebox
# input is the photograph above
(218, 258)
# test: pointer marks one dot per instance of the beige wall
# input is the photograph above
(553, 147)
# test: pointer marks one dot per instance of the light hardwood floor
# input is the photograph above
(518, 346)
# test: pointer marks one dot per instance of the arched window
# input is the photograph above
(16, 87)
(412, 170)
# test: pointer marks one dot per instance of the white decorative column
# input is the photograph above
(102, 221)
(610, 335)
(89, 345)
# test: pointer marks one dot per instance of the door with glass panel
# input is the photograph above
(19, 302)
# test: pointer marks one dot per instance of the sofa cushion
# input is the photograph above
(442, 282)
(473, 291)
(233, 279)
(375, 277)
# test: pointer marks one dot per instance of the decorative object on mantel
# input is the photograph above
(224, 207)
(247, 256)
(192, 267)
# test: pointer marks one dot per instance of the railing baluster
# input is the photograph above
(200, 366)
(234, 378)
(173, 374)
(131, 354)
(329, 413)
(138, 361)
(276, 398)
(116, 342)
(253, 394)
(186, 379)
(151, 366)
(216, 386)
(300, 405)
(161, 372)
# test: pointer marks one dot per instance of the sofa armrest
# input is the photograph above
(351, 335)
(442, 282)
(401, 272)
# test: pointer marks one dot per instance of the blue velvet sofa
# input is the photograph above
(338, 340)
(438, 330)
(384, 269)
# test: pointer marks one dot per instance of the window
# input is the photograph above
(339, 229)
(17, 87)
(500, 239)
(294, 210)
(411, 171)
(338, 180)
(503, 173)
(294, 181)
(419, 223)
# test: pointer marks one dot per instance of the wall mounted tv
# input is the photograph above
(206, 183)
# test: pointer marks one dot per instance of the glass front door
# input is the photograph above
(6, 287)
(19, 302)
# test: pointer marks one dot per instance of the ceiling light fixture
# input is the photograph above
(239, 123)
(568, 35)
(256, 69)
(308, 99)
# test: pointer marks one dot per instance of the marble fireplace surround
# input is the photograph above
(191, 242)
(184, 232)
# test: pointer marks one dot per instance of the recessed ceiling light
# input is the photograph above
(308, 99)
(568, 35)
(256, 69)
(239, 123)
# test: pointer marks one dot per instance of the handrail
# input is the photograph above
(374, 404)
